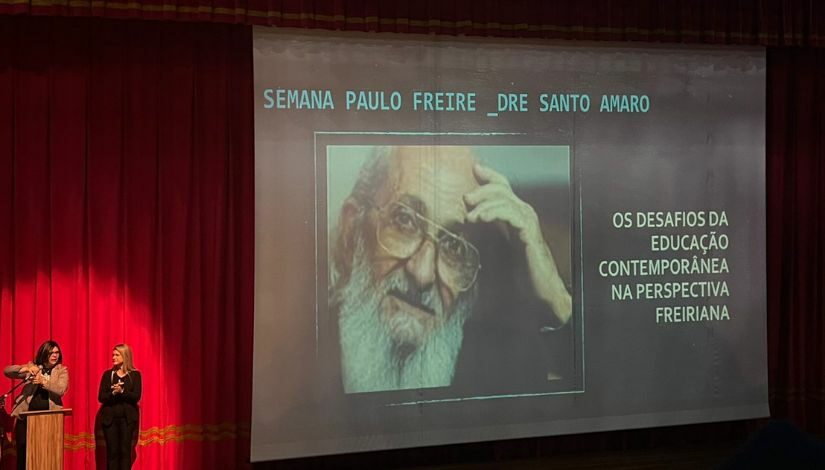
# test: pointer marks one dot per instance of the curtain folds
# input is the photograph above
(762, 22)
(127, 205)
(126, 215)
(796, 235)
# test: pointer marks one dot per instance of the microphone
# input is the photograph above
(31, 376)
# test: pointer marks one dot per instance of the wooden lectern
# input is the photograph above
(44, 439)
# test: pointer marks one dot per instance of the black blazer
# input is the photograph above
(128, 399)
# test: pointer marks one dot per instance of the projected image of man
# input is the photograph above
(405, 270)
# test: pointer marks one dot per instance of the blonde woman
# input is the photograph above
(119, 395)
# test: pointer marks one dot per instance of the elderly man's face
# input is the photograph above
(431, 181)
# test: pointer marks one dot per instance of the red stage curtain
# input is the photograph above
(126, 215)
(796, 235)
(766, 22)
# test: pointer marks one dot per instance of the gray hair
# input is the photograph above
(372, 175)
(371, 178)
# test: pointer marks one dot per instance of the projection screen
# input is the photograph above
(462, 240)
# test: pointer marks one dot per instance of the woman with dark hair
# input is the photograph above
(119, 393)
(47, 379)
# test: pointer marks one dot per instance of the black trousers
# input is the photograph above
(20, 437)
(119, 436)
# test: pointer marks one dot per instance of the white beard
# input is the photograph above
(376, 356)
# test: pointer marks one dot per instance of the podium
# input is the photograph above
(44, 439)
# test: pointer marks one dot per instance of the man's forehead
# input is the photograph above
(437, 176)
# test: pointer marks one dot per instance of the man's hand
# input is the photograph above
(495, 202)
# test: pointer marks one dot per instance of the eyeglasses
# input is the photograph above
(401, 231)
